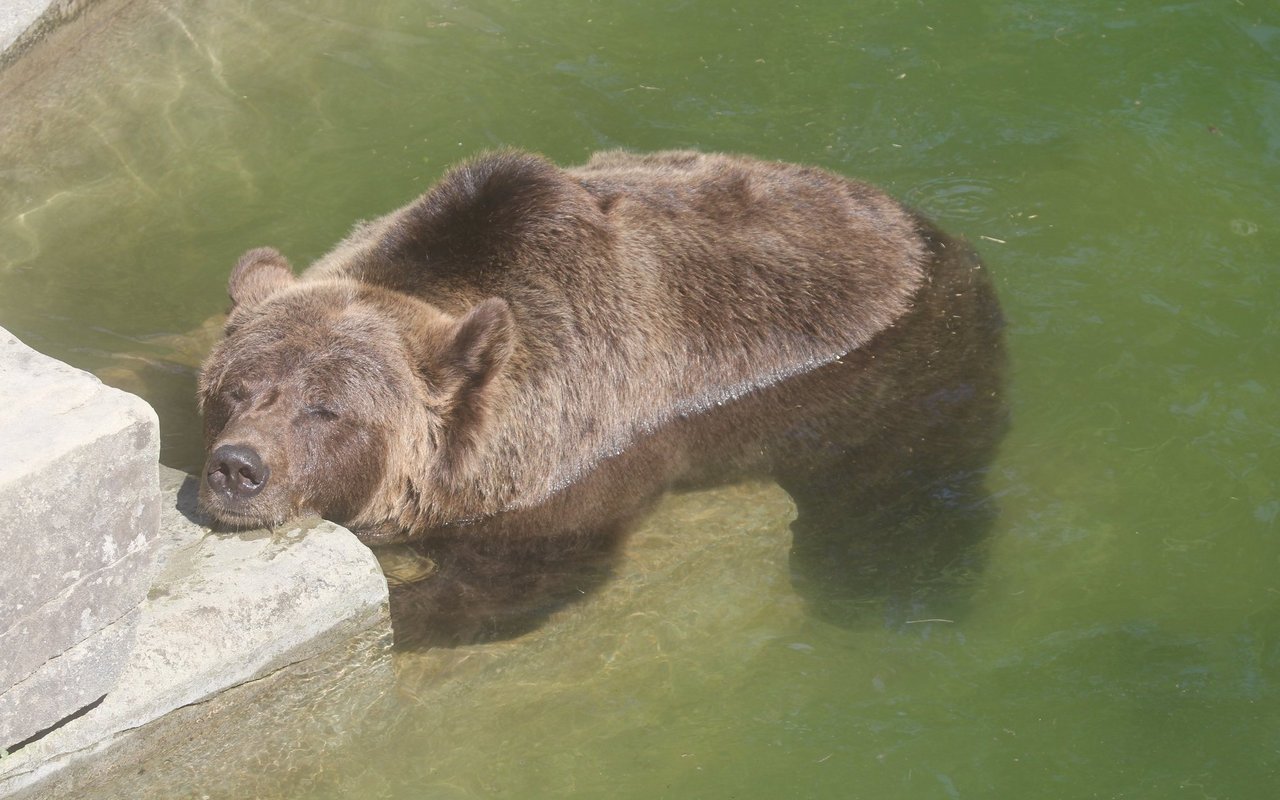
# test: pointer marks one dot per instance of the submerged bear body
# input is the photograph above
(531, 350)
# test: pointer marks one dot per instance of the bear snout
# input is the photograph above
(236, 472)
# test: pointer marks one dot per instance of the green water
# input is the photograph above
(1118, 167)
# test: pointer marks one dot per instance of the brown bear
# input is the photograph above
(527, 352)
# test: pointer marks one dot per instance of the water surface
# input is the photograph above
(1116, 165)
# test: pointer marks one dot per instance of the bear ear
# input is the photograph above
(476, 348)
(258, 274)
(481, 342)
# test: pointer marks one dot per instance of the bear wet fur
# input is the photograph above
(490, 344)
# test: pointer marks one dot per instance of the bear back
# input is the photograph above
(642, 288)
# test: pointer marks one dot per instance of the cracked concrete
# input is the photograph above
(276, 620)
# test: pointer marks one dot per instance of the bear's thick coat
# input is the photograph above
(497, 341)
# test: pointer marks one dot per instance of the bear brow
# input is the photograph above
(347, 372)
(273, 394)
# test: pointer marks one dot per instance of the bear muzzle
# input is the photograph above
(235, 473)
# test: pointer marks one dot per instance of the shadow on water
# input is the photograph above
(883, 452)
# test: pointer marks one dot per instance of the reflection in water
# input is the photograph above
(883, 453)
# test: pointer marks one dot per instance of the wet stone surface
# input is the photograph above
(240, 636)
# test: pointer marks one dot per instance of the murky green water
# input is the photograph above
(1118, 166)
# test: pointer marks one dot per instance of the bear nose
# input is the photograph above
(237, 471)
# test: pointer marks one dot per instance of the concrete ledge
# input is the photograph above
(230, 617)
(79, 512)
(25, 22)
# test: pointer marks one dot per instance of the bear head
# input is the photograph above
(344, 399)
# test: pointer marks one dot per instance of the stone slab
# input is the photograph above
(79, 512)
(16, 16)
(25, 22)
(304, 606)
(270, 737)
